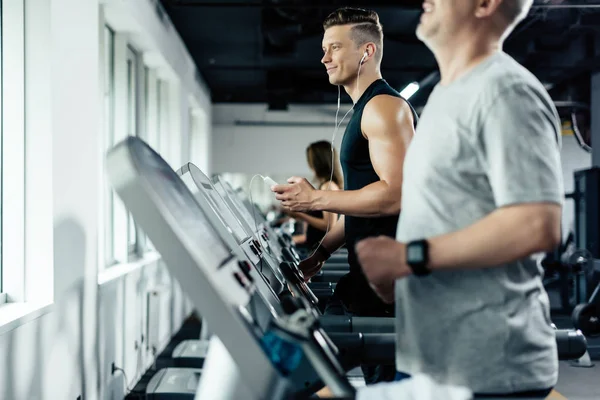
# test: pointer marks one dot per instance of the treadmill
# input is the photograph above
(338, 259)
(191, 353)
(208, 199)
(284, 356)
(333, 269)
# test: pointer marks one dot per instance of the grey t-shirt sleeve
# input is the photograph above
(520, 141)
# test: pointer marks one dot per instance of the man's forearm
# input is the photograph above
(336, 237)
(506, 235)
(374, 200)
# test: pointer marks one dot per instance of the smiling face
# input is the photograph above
(341, 55)
(442, 19)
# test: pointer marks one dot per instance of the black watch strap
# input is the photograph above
(417, 257)
(321, 249)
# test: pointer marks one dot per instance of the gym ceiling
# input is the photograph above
(269, 51)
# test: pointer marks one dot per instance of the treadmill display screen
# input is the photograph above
(181, 204)
(218, 204)
(243, 211)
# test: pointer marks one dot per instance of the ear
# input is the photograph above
(370, 50)
(487, 8)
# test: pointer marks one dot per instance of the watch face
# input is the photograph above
(415, 253)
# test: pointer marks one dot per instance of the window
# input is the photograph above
(163, 127)
(144, 134)
(12, 143)
(150, 133)
(109, 134)
(159, 111)
(2, 296)
(191, 130)
(132, 95)
(122, 98)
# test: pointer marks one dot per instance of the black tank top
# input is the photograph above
(358, 173)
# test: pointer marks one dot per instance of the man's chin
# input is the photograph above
(336, 82)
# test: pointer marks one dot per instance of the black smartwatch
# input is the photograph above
(417, 257)
(321, 249)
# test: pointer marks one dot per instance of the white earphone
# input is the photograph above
(364, 56)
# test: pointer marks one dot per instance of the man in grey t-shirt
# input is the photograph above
(482, 193)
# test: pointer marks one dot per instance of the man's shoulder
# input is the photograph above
(386, 104)
(503, 77)
(384, 114)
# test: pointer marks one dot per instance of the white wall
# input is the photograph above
(277, 149)
(201, 153)
(65, 350)
(249, 139)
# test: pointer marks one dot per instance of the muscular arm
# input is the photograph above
(387, 123)
(329, 219)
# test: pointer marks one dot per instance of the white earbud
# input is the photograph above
(364, 56)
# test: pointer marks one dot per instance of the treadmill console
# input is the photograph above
(275, 362)
(223, 218)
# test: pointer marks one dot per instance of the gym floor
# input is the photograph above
(577, 383)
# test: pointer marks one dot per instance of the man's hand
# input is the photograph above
(383, 261)
(298, 195)
(312, 265)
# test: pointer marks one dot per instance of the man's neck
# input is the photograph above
(357, 87)
(456, 59)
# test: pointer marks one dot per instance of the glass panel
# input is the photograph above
(144, 135)
(158, 115)
(109, 80)
(1, 148)
(131, 131)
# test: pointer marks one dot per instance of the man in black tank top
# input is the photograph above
(372, 156)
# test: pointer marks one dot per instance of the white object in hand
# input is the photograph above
(269, 181)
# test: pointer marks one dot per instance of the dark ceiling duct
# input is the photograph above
(236, 58)
(292, 10)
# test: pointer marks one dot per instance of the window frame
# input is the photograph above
(13, 200)
(124, 93)
(109, 41)
(2, 294)
(134, 248)
(159, 116)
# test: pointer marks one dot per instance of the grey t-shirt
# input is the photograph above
(489, 139)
